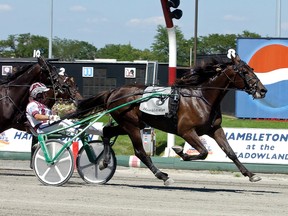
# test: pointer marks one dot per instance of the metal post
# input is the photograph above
(172, 43)
(172, 64)
(195, 32)
(278, 18)
(51, 30)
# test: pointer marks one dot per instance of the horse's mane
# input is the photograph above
(17, 71)
(202, 72)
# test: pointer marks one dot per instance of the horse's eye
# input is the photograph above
(246, 71)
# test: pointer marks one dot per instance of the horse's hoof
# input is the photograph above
(168, 182)
(102, 165)
(177, 149)
(254, 178)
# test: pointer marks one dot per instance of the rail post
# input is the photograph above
(169, 15)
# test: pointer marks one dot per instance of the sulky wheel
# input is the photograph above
(60, 171)
(89, 171)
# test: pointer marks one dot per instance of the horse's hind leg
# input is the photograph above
(135, 137)
(220, 138)
(106, 154)
(109, 131)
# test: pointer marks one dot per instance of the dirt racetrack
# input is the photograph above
(135, 191)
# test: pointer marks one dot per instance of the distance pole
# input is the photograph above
(172, 63)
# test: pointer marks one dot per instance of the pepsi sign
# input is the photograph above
(269, 58)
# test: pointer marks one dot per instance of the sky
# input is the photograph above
(102, 22)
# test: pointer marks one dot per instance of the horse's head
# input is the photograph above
(244, 78)
(63, 86)
(70, 89)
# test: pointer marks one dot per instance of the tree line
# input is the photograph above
(23, 45)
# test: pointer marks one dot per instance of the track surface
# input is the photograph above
(135, 191)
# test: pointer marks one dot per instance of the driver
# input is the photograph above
(41, 117)
(38, 114)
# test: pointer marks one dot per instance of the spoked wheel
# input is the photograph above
(53, 174)
(90, 171)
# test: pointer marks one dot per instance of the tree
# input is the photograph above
(69, 50)
(23, 45)
(160, 46)
(119, 52)
(247, 34)
(7, 47)
(216, 43)
(27, 43)
(220, 43)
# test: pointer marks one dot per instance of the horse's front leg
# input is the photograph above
(193, 139)
(220, 138)
(135, 137)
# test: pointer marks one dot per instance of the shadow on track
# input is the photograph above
(191, 189)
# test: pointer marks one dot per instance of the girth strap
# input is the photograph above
(174, 99)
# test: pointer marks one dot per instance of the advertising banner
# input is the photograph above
(13, 140)
(265, 146)
(269, 58)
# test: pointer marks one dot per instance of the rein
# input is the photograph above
(10, 99)
(238, 70)
(51, 78)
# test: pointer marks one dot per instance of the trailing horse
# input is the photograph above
(14, 92)
(197, 96)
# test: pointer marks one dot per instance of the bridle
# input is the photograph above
(72, 91)
(241, 69)
(59, 82)
(54, 78)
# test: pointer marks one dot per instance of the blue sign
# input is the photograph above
(269, 58)
(87, 71)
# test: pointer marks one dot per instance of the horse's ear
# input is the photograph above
(238, 58)
(41, 61)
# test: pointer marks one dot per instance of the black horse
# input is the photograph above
(198, 112)
(14, 91)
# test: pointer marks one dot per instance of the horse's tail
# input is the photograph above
(91, 105)
(97, 102)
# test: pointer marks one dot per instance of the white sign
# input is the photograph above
(13, 140)
(6, 69)
(130, 73)
(269, 146)
(36, 53)
(87, 71)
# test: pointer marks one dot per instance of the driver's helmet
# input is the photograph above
(37, 88)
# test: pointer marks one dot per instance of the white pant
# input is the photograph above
(95, 129)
